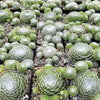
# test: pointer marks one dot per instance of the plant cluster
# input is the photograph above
(57, 41)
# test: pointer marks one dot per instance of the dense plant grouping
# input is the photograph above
(58, 41)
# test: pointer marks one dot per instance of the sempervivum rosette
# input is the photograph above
(49, 82)
(88, 84)
(12, 85)
(20, 52)
(77, 29)
(80, 51)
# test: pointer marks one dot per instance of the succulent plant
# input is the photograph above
(11, 4)
(3, 50)
(5, 15)
(27, 15)
(97, 7)
(94, 18)
(76, 16)
(44, 97)
(93, 29)
(33, 22)
(12, 85)
(20, 52)
(97, 54)
(56, 39)
(77, 29)
(72, 90)
(16, 65)
(92, 4)
(71, 6)
(16, 5)
(17, 14)
(68, 28)
(97, 36)
(23, 31)
(86, 38)
(21, 67)
(58, 2)
(81, 7)
(49, 51)
(32, 3)
(88, 84)
(2, 31)
(8, 2)
(50, 4)
(57, 10)
(81, 66)
(29, 63)
(69, 73)
(4, 56)
(73, 16)
(64, 94)
(80, 51)
(96, 97)
(50, 16)
(3, 5)
(15, 21)
(40, 25)
(59, 26)
(2, 68)
(49, 82)
(10, 64)
(24, 35)
(49, 30)
(55, 97)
